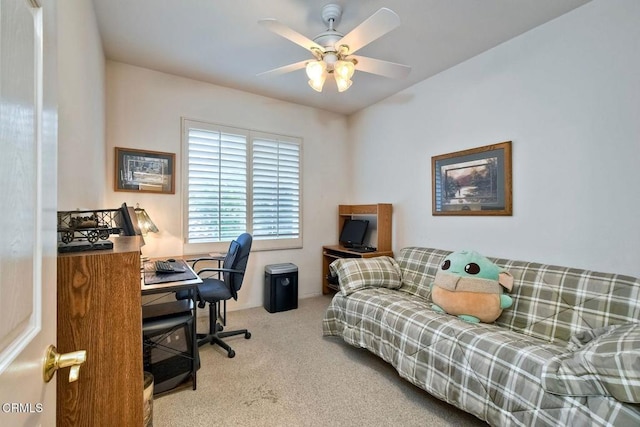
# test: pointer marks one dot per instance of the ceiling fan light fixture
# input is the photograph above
(316, 69)
(343, 84)
(317, 73)
(343, 50)
(317, 84)
(344, 69)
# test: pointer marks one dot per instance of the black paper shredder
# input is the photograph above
(280, 287)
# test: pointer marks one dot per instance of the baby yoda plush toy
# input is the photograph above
(470, 286)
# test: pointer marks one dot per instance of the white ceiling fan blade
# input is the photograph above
(382, 68)
(375, 26)
(285, 69)
(289, 34)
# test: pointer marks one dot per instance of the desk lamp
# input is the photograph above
(145, 223)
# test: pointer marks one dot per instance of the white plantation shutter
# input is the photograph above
(217, 186)
(236, 180)
(276, 189)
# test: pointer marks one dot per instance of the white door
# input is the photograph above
(28, 144)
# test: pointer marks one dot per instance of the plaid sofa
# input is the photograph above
(566, 353)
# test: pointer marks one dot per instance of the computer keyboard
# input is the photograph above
(363, 249)
(164, 267)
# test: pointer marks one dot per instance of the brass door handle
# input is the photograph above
(54, 361)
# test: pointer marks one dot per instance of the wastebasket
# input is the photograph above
(280, 287)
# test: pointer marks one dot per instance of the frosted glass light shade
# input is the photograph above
(343, 84)
(317, 84)
(344, 69)
(317, 73)
(316, 69)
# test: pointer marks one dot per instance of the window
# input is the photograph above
(236, 180)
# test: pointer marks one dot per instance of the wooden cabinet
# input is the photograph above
(380, 214)
(99, 310)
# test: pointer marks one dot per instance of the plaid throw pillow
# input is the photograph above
(359, 273)
(606, 362)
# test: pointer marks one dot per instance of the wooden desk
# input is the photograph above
(152, 312)
(172, 286)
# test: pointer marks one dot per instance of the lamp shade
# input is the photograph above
(144, 221)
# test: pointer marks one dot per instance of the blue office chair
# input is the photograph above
(218, 289)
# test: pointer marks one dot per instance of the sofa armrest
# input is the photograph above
(360, 273)
(603, 362)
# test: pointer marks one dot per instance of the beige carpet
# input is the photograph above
(288, 374)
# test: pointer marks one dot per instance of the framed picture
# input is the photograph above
(144, 171)
(473, 182)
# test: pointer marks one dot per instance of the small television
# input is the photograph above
(353, 232)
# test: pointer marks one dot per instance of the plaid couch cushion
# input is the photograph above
(360, 273)
(606, 363)
(419, 267)
(554, 303)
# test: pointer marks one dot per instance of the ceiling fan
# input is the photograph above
(334, 51)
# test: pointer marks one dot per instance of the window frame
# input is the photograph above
(260, 244)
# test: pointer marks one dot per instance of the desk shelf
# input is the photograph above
(172, 308)
(380, 213)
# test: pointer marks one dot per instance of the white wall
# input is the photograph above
(81, 109)
(568, 95)
(144, 110)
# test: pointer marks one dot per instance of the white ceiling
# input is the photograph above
(220, 41)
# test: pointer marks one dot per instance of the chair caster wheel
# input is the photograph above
(247, 335)
(231, 354)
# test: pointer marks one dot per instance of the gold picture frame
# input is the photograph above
(473, 182)
(144, 171)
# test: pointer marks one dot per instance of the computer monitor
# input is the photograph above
(128, 222)
(353, 232)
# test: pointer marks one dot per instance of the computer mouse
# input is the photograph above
(171, 260)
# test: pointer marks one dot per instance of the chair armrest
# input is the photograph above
(220, 270)
(194, 261)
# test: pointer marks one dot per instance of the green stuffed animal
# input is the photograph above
(471, 287)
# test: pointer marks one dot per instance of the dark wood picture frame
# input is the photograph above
(144, 171)
(473, 182)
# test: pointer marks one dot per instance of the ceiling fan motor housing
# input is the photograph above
(331, 14)
(328, 40)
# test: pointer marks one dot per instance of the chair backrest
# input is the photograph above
(236, 259)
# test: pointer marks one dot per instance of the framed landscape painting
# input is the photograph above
(144, 171)
(473, 182)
